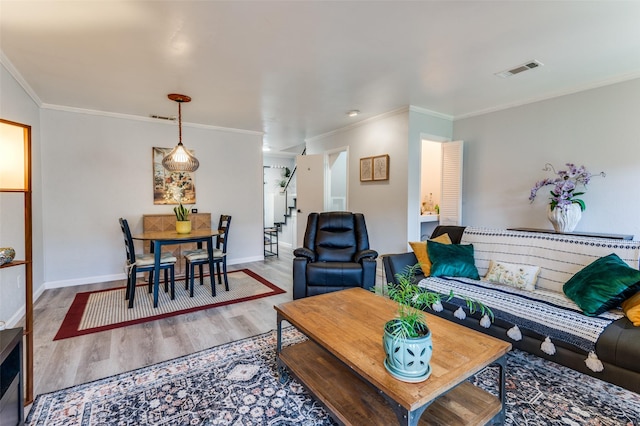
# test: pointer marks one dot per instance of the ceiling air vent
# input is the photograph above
(520, 68)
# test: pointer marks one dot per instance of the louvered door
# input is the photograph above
(451, 201)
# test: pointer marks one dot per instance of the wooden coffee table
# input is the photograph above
(341, 364)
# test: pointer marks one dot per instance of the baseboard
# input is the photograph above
(85, 280)
(16, 319)
(245, 260)
(119, 277)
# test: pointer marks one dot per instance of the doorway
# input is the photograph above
(336, 181)
(322, 182)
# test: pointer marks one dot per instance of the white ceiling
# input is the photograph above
(292, 69)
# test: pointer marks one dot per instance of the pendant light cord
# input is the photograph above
(180, 122)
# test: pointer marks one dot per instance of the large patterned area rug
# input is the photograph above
(237, 384)
(101, 310)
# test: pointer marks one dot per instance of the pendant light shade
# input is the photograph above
(179, 159)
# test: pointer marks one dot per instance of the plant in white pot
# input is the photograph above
(564, 210)
(407, 338)
(183, 224)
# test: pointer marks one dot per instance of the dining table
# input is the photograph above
(161, 238)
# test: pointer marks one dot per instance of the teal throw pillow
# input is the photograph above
(452, 260)
(602, 285)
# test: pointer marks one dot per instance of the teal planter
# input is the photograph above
(408, 359)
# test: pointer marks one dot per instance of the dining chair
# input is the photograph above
(200, 257)
(144, 263)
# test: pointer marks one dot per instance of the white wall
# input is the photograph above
(16, 105)
(386, 204)
(96, 169)
(383, 202)
(506, 150)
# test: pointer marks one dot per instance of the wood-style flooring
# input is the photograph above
(63, 363)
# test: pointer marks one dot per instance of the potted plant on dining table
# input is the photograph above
(183, 224)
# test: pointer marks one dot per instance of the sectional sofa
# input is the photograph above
(539, 318)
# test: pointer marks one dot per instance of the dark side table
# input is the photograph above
(11, 398)
(579, 234)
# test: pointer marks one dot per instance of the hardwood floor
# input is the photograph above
(63, 363)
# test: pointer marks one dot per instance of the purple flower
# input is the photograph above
(563, 193)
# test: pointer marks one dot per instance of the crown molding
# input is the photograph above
(358, 124)
(8, 65)
(147, 119)
(430, 112)
(577, 89)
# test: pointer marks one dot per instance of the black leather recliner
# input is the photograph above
(335, 255)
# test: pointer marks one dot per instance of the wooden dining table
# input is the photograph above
(161, 238)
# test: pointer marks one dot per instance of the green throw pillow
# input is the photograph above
(452, 260)
(602, 285)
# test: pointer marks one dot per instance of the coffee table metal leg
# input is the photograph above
(405, 417)
(502, 365)
(411, 418)
(282, 371)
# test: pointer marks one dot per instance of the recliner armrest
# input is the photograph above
(365, 254)
(305, 252)
(300, 277)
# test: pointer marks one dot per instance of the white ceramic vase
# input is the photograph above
(564, 219)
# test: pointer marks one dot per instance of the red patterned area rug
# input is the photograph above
(102, 310)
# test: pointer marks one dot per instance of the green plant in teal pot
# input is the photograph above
(407, 338)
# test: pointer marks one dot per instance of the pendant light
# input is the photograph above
(179, 159)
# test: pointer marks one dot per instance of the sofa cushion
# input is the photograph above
(631, 308)
(452, 260)
(602, 285)
(420, 250)
(518, 276)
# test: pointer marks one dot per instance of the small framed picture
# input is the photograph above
(381, 167)
(366, 169)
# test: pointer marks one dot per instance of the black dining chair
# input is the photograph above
(145, 263)
(200, 257)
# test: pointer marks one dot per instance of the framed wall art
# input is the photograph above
(381, 167)
(366, 169)
(171, 187)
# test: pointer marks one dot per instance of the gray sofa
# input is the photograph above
(618, 345)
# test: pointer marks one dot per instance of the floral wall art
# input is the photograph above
(374, 168)
(171, 187)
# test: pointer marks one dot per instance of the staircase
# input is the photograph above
(285, 202)
(289, 202)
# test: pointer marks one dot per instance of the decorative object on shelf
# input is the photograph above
(285, 177)
(183, 224)
(7, 254)
(427, 205)
(179, 159)
(565, 209)
(407, 338)
(564, 219)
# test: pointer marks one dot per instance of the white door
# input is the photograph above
(309, 189)
(451, 204)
